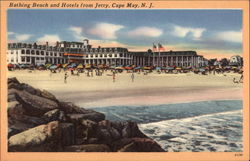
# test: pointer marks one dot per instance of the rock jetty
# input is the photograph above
(39, 122)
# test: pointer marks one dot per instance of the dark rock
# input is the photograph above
(137, 145)
(88, 148)
(52, 115)
(94, 116)
(13, 80)
(106, 133)
(67, 132)
(70, 108)
(93, 140)
(11, 97)
(80, 141)
(30, 89)
(35, 104)
(41, 138)
(48, 95)
(130, 129)
(15, 108)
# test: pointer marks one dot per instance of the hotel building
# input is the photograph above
(83, 52)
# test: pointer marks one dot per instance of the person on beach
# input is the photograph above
(65, 77)
(113, 76)
(132, 77)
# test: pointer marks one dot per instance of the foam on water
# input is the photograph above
(195, 126)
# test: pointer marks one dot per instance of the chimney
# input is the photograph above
(57, 44)
(47, 44)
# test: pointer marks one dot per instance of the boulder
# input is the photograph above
(52, 115)
(30, 89)
(85, 129)
(15, 108)
(106, 132)
(11, 97)
(130, 129)
(13, 80)
(88, 148)
(94, 116)
(71, 108)
(41, 138)
(137, 145)
(48, 95)
(67, 131)
(35, 105)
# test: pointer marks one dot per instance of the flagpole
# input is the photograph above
(153, 56)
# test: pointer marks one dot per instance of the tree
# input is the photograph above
(211, 61)
(224, 62)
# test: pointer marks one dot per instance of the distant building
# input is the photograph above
(82, 52)
(236, 60)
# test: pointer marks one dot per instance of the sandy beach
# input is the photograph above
(148, 89)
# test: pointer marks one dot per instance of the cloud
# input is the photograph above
(105, 30)
(231, 36)
(11, 33)
(22, 37)
(194, 33)
(49, 38)
(77, 32)
(19, 37)
(145, 31)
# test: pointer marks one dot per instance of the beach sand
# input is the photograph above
(145, 90)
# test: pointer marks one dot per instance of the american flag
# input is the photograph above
(160, 47)
(154, 47)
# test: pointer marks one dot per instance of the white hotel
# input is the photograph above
(82, 52)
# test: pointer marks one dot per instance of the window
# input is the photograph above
(28, 59)
(12, 60)
(23, 51)
(32, 52)
(37, 58)
(42, 58)
(55, 54)
(47, 53)
(42, 52)
(23, 59)
(37, 53)
(11, 52)
(51, 54)
(27, 51)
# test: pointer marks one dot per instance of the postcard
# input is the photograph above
(124, 80)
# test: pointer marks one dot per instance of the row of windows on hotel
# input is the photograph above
(37, 52)
(67, 48)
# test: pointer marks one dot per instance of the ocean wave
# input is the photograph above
(221, 132)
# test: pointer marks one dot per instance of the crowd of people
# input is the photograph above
(91, 71)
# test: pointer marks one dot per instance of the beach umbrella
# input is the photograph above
(202, 70)
(65, 65)
(178, 68)
(47, 65)
(137, 68)
(158, 68)
(10, 65)
(80, 66)
(169, 68)
(53, 67)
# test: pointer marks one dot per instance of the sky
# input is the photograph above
(212, 33)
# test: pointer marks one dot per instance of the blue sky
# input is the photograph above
(213, 33)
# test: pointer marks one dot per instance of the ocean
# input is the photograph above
(186, 127)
